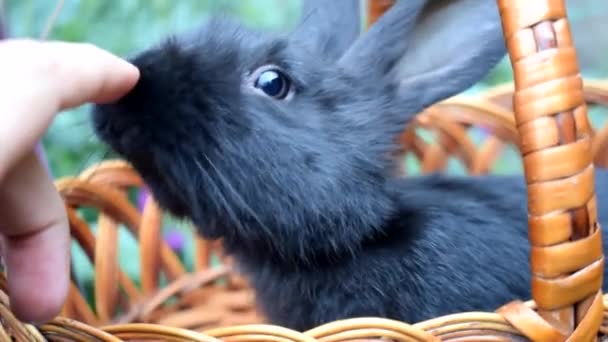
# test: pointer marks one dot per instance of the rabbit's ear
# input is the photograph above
(330, 26)
(433, 49)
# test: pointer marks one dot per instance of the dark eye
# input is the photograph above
(274, 84)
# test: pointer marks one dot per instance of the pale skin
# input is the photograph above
(38, 80)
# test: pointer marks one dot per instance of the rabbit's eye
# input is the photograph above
(273, 83)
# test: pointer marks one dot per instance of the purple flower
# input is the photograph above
(175, 239)
(142, 198)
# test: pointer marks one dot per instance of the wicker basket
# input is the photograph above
(546, 122)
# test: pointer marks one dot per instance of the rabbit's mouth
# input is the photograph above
(123, 136)
(128, 140)
(171, 196)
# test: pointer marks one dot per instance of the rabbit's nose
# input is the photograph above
(150, 86)
(144, 95)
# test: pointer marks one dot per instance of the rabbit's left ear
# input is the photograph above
(329, 25)
(433, 49)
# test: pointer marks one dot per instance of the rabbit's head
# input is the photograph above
(281, 144)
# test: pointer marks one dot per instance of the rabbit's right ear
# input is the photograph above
(432, 49)
(329, 25)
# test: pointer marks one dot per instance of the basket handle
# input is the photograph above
(566, 258)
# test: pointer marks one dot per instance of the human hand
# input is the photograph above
(37, 81)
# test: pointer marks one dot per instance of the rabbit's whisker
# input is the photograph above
(226, 183)
(224, 202)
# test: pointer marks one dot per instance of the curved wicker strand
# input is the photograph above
(150, 241)
(595, 92)
(107, 279)
(490, 112)
(344, 328)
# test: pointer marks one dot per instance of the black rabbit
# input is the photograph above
(281, 146)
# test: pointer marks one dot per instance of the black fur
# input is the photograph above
(300, 189)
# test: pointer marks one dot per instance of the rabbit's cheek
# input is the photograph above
(130, 139)
(168, 196)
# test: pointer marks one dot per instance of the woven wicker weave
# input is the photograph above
(549, 127)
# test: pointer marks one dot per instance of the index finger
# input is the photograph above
(42, 78)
